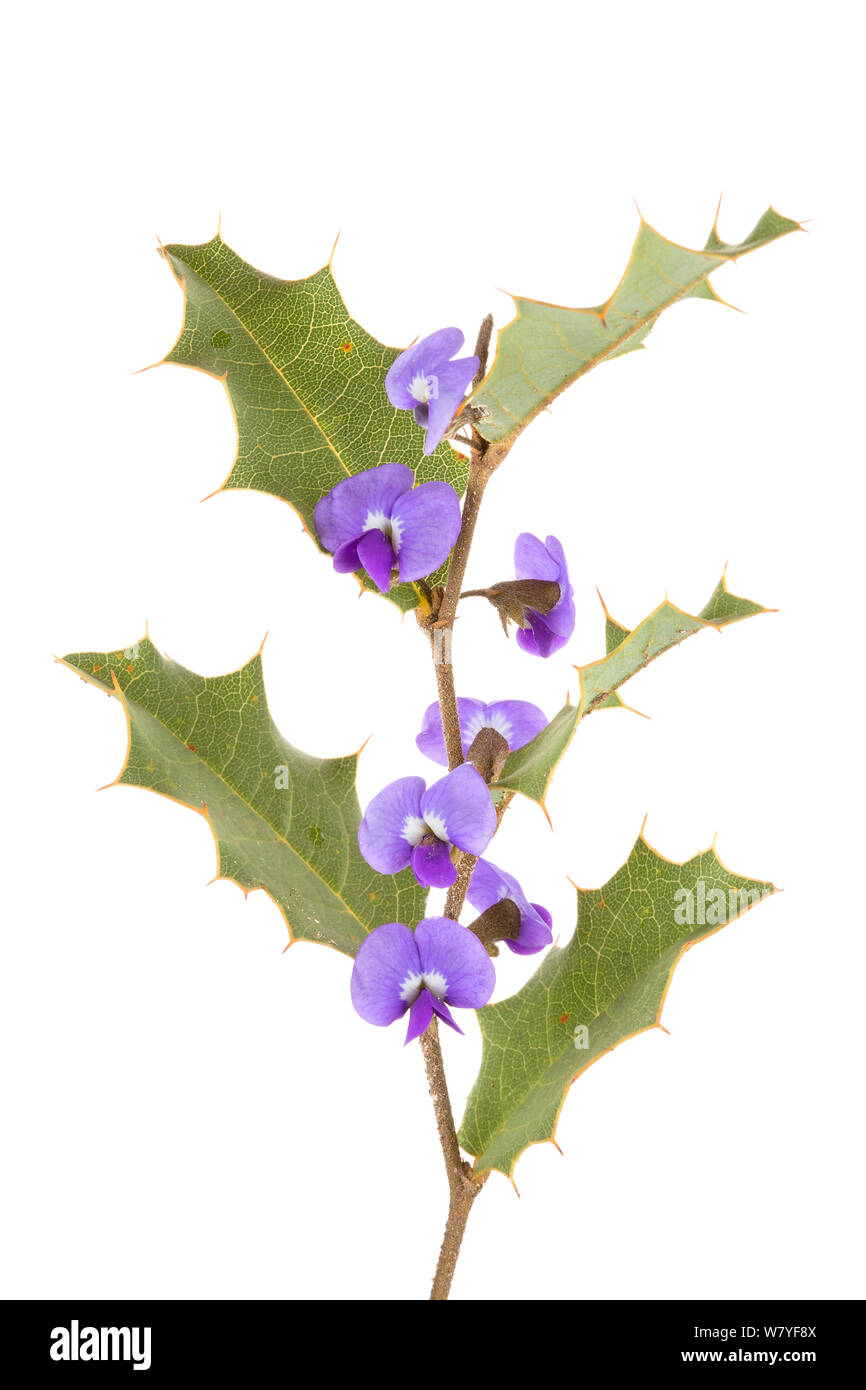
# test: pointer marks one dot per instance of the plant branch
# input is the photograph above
(439, 620)
(462, 1187)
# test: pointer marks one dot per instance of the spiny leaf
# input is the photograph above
(606, 985)
(529, 769)
(305, 381)
(282, 820)
(546, 347)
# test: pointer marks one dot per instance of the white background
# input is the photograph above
(187, 1111)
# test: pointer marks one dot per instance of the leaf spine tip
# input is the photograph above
(602, 602)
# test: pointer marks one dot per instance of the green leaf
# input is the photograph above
(282, 820)
(546, 347)
(305, 381)
(611, 980)
(530, 769)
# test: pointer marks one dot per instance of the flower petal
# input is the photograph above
(455, 953)
(536, 560)
(384, 960)
(376, 554)
(426, 524)
(527, 643)
(422, 357)
(431, 739)
(451, 380)
(458, 808)
(445, 1014)
(346, 557)
(532, 559)
(392, 813)
(535, 931)
(431, 865)
(553, 546)
(516, 720)
(342, 514)
(560, 619)
(490, 884)
(539, 639)
(420, 1015)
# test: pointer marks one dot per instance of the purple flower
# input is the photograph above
(378, 520)
(534, 560)
(424, 380)
(516, 720)
(441, 964)
(489, 885)
(409, 823)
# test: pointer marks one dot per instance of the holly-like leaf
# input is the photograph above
(608, 984)
(546, 347)
(305, 381)
(530, 769)
(282, 820)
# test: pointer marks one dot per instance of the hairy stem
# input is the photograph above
(443, 628)
(457, 892)
(462, 1187)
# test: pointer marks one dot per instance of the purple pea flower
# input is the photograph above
(441, 964)
(424, 380)
(516, 720)
(410, 823)
(379, 520)
(534, 560)
(489, 885)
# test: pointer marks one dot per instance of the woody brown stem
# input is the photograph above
(442, 629)
(462, 1187)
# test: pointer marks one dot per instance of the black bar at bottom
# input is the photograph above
(162, 1339)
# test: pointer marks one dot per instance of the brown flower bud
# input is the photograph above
(513, 597)
(500, 922)
(487, 753)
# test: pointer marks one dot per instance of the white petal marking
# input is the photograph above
(473, 726)
(413, 830)
(419, 388)
(436, 983)
(411, 988)
(501, 724)
(437, 825)
(396, 531)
